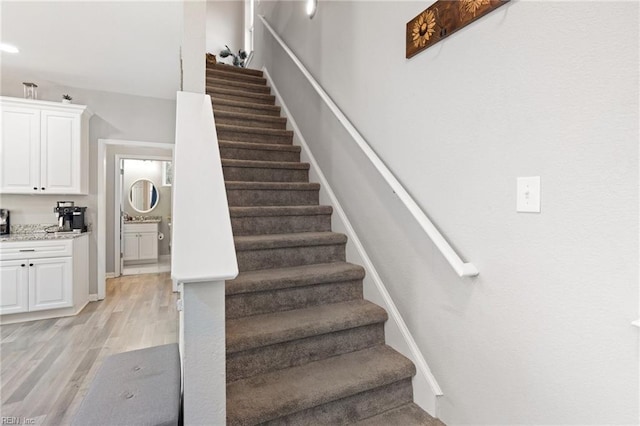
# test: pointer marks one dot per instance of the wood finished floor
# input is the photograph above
(47, 366)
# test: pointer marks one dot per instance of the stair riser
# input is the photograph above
(258, 154)
(264, 302)
(237, 85)
(244, 109)
(264, 124)
(255, 174)
(251, 260)
(301, 351)
(260, 225)
(243, 97)
(352, 408)
(269, 197)
(238, 135)
(236, 77)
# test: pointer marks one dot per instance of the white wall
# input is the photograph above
(543, 335)
(116, 116)
(225, 26)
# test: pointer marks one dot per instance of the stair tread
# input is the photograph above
(231, 68)
(256, 130)
(245, 85)
(406, 415)
(284, 186)
(224, 74)
(295, 276)
(228, 102)
(301, 239)
(246, 116)
(268, 329)
(229, 91)
(259, 164)
(271, 395)
(258, 146)
(253, 211)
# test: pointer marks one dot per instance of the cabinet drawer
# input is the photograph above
(35, 249)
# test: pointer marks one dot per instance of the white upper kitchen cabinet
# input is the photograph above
(44, 147)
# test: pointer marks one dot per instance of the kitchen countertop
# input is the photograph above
(41, 236)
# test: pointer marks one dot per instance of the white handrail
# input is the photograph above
(463, 269)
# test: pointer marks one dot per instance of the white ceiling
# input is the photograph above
(130, 47)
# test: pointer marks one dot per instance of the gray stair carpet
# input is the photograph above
(303, 346)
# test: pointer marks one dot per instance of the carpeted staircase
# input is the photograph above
(303, 346)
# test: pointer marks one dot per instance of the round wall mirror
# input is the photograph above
(143, 196)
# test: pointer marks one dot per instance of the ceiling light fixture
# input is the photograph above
(9, 48)
(312, 7)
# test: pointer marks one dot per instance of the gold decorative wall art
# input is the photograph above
(444, 18)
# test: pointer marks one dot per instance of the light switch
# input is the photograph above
(528, 194)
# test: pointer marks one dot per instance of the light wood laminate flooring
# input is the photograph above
(46, 366)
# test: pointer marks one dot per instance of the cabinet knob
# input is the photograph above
(23, 265)
(31, 264)
(35, 188)
(42, 188)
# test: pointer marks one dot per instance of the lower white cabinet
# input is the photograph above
(50, 283)
(43, 279)
(140, 242)
(14, 286)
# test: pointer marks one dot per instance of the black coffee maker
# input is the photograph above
(70, 217)
(5, 222)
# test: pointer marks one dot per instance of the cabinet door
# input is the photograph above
(60, 135)
(50, 283)
(14, 286)
(148, 245)
(20, 151)
(130, 246)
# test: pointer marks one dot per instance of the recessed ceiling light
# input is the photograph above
(312, 6)
(9, 48)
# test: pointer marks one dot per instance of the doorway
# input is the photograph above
(106, 166)
(142, 214)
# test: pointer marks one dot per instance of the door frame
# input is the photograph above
(118, 200)
(101, 256)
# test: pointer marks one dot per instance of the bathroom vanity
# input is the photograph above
(140, 241)
(43, 276)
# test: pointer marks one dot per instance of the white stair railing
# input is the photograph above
(203, 257)
(463, 269)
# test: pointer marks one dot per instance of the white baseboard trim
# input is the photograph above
(425, 387)
(109, 275)
(93, 298)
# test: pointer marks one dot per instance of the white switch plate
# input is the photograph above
(528, 194)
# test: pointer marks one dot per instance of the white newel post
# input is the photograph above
(204, 353)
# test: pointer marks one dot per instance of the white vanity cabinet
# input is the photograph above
(43, 279)
(140, 242)
(44, 146)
